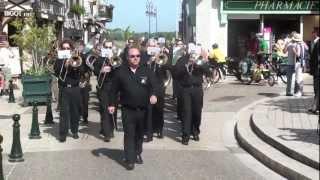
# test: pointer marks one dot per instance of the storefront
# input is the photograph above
(279, 17)
(229, 23)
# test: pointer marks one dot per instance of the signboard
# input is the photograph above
(15, 8)
(271, 5)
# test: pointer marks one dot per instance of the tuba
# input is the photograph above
(92, 57)
(74, 62)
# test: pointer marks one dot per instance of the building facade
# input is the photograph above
(229, 23)
(45, 11)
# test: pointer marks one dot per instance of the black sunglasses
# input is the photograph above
(134, 56)
(108, 47)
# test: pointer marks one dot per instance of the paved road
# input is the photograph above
(216, 156)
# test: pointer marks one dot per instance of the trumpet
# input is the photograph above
(161, 59)
(194, 61)
(74, 62)
(114, 62)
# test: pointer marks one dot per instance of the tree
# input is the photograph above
(35, 40)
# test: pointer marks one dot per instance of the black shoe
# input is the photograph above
(312, 111)
(62, 139)
(106, 139)
(289, 94)
(75, 136)
(196, 137)
(185, 140)
(130, 166)
(139, 159)
(160, 135)
(85, 122)
(148, 139)
(101, 132)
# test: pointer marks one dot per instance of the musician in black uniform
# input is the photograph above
(104, 72)
(155, 119)
(85, 86)
(178, 51)
(190, 74)
(70, 93)
(138, 88)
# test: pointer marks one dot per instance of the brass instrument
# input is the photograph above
(84, 80)
(93, 56)
(52, 56)
(161, 59)
(90, 60)
(194, 60)
(74, 62)
(114, 62)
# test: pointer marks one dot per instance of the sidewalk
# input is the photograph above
(282, 134)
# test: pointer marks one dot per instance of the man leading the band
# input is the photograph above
(137, 87)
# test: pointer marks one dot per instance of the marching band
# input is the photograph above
(157, 65)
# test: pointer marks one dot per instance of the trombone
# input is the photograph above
(114, 62)
(75, 62)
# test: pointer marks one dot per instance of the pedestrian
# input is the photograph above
(189, 73)
(137, 87)
(315, 72)
(67, 68)
(293, 80)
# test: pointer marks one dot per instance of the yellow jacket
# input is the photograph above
(217, 55)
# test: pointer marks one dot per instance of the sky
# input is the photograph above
(132, 13)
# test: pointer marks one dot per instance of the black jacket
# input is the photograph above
(314, 59)
(135, 88)
(72, 76)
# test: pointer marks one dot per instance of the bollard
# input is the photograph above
(35, 132)
(1, 169)
(16, 150)
(49, 116)
(11, 95)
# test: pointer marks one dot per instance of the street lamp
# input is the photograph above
(151, 11)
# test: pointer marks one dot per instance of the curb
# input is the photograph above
(282, 147)
(265, 153)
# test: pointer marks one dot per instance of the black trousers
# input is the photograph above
(106, 123)
(157, 112)
(84, 92)
(69, 110)
(179, 100)
(192, 109)
(155, 119)
(133, 127)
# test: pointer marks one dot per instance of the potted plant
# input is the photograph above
(36, 41)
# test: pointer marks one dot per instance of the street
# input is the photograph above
(216, 156)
